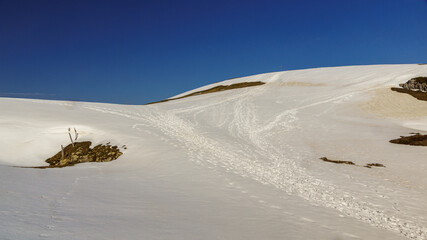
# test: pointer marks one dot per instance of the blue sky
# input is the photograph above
(135, 52)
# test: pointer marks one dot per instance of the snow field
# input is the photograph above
(257, 141)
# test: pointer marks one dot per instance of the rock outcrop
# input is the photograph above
(416, 84)
(416, 87)
(81, 152)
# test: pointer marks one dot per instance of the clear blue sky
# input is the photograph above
(141, 51)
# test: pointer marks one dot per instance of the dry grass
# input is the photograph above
(215, 89)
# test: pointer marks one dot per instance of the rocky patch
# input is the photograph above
(415, 84)
(416, 87)
(81, 153)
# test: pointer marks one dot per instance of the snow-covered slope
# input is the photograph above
(237, 164)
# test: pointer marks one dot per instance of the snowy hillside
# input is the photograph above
(235, 164)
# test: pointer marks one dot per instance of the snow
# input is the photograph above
(238, 164)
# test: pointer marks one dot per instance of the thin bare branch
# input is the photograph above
(62, 152)
(69, 134)
(76, 134)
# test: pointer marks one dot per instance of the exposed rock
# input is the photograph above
(416, 84)
(105, 153)
(81, 152)
(416, 87)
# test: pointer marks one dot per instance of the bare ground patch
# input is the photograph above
(414, 140)
(325, 159)
(215, 89)
(369, 165)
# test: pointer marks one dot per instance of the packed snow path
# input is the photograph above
(274, 134)
(257, 157)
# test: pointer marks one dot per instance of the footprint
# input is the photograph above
(327, 227)
(50, 227)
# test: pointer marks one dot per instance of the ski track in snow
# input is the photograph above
(252, 155)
